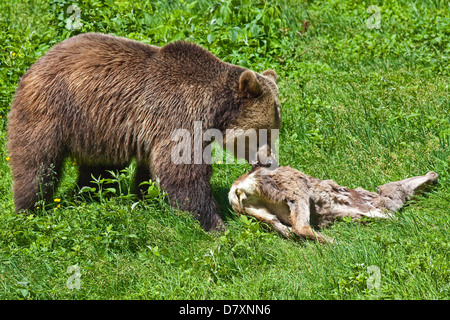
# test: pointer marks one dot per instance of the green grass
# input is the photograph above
(360, 106)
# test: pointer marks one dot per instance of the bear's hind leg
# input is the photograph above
(35, 178)
(36, 152)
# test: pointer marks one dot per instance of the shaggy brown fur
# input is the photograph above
(105, 100)
(293, 202)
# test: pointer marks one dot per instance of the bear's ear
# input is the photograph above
(271, 74)
(249, 84)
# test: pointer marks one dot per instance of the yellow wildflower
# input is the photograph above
(57, 200)
(7, 158)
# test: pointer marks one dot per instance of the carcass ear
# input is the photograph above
(248, 84)
(271, 74)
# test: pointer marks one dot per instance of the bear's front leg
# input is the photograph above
(189, 190)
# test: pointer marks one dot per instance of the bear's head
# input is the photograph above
(252, 134)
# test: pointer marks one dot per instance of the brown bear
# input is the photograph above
(105, 100)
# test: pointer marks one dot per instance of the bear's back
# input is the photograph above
(93, 66)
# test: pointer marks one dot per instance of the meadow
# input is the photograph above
(365, 95)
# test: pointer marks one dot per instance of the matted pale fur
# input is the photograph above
(295, 203)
